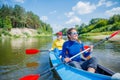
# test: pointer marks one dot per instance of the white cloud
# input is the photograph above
(74, 20)
(106, 3)
(109, 3)
(53, 12)
(44, 18)
(101, 2)
(69, 14)
(113, 11)
(20, 1)
(83, 8)
(86, 7)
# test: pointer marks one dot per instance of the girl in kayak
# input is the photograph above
(72, 47)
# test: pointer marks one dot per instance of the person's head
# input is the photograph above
(72, 34)
(59, 35)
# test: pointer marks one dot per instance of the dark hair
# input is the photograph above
(69, 32)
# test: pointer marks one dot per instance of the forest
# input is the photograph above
(18, 17)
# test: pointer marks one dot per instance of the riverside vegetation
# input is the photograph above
(16, 22)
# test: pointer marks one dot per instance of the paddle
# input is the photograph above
(34, 51)
(36, 76)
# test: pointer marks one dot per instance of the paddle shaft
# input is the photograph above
(43, 50)
(52, 68)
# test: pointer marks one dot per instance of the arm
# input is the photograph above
(87, 53)
(64, 53)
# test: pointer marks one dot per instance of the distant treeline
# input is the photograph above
(17, 17)
(99, 25)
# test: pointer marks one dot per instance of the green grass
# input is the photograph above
(96, 34)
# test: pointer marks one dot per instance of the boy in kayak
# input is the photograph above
(72, 47)
(58, 43)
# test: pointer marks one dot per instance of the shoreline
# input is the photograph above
(115, 38)
(21, 32)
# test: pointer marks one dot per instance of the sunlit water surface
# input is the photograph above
(15, 63)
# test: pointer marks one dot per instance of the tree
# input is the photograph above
(100, 23)
(64, 31)
(17, 17)
(114, 19)
(1, 23)
(7, 23)
(94, 21)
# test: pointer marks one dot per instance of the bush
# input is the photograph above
(25, 33)
(0, 33)
(5, 32)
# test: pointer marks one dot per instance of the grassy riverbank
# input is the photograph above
(21, 32)
(102, 35)
(26, 32)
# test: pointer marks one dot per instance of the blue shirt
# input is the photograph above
(71, 48)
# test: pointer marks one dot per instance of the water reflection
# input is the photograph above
(32, 64)
(14, 63)
(108, 55)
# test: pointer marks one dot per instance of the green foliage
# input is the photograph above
(7, 23)
(25, 33)
(94, 21)
(5, 32)
(99, 25)
(0, 33)
(17, 17)
(16, 36)
(1, 23)
(39, 31)
(114, 19)
(64, 31)
(116, 26)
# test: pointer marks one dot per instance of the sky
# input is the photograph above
(68, 13)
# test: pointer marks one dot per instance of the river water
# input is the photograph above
(15, 63)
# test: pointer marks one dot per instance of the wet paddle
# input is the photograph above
(36, 76)
(34, 51)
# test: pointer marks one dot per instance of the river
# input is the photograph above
(15, 63)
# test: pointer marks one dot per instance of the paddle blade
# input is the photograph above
(85, 47)
(32, 51)
(30, 77)
(114, 33)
